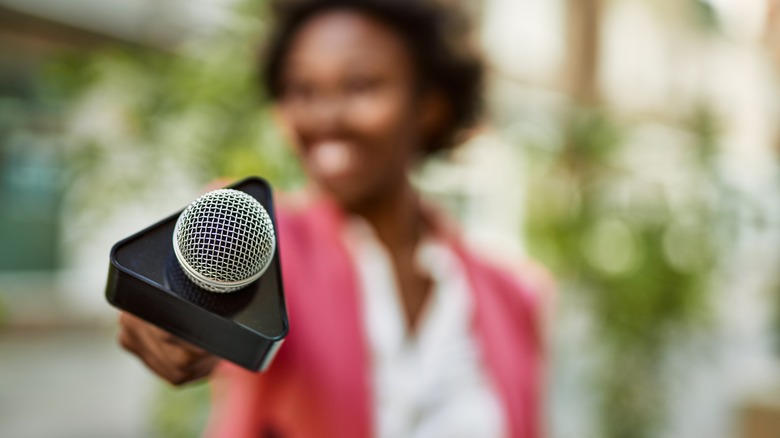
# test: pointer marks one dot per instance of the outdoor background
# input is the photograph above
(632, 146)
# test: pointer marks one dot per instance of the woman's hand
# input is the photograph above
(169, 357)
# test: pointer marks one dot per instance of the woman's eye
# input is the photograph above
(298, 91)
(361, 85)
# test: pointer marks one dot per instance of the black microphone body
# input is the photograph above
(246, 326)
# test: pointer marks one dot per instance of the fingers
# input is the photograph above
(203, 367)
(171, 358)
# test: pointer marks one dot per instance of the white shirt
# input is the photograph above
(431, 383)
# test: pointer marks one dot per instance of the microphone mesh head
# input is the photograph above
(224, 240)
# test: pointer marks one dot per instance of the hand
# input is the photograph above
(169, 357)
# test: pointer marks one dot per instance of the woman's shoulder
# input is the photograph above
(520, 285)
(521, 277)
(526, 275)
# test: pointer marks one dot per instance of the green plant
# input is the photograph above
(641, 261)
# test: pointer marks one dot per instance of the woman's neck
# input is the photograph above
(395, 216)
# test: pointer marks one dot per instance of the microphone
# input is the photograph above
(224, 240)
(210, 275)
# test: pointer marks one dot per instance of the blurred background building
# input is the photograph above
(630, 145)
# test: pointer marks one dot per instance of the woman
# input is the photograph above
(397, 330)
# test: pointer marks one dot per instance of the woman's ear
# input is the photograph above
(435, 113)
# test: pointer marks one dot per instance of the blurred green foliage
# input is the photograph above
(180, 412)
(199, 111)
(641, 261)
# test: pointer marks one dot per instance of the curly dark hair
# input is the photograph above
(435, 35)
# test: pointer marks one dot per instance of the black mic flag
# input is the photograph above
(245, 326)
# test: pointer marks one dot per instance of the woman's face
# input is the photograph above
(349, 99)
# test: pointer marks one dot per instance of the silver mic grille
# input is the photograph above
(224, 240)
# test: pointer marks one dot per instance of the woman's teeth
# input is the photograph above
(332, 157)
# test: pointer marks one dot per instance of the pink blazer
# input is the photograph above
(320, 385)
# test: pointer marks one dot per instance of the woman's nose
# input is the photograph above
(327, 109)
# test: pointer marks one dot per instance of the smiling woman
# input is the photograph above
(397, 328)
(393, 77)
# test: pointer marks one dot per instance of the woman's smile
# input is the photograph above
(332, 158)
